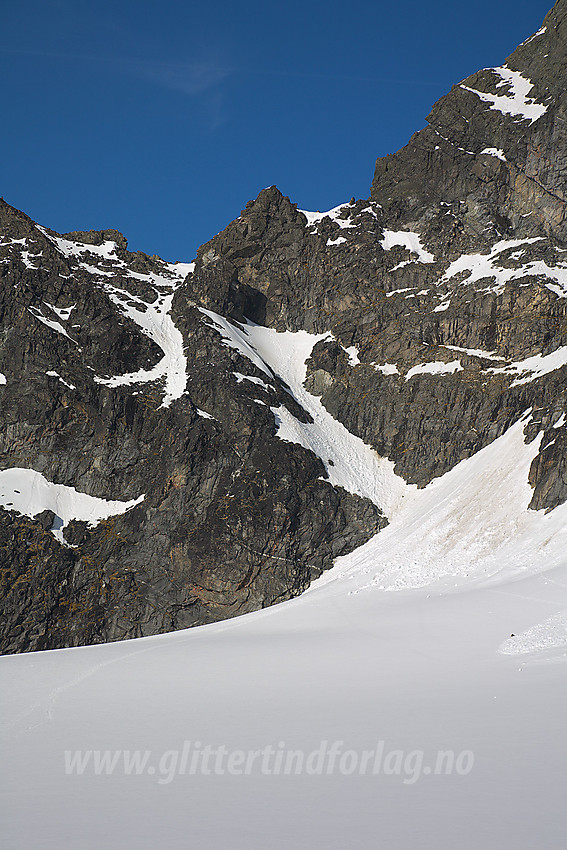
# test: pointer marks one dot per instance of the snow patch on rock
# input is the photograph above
(155, 321)
(410, 241)
(537, 366)
(435, 367)
(28, 493)
(516, 102)
(499, 154)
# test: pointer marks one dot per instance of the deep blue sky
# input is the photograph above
(162, 119)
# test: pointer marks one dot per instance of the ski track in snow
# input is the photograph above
(404, 641)
(426, 545)
(422, 670)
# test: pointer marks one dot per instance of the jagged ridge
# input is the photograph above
(439, 309)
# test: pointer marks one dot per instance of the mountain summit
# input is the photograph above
(183, 443)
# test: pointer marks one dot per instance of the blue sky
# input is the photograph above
(162, 119)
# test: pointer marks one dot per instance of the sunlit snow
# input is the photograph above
(499, 154)
(352, 352)
(63, 312)
(537, 366)
(28, 493)
(475, 352)
(435, 367)
(484, 266)
(349, 462)
(535, 35)
(413, 672)
(314, 218)
(50, 323)
(252, 379)
(54, 374)
(472, 523)
(386, 368)
(155, 321)
(408, 240)
(74, 249)
(516, 102)
(549, 634)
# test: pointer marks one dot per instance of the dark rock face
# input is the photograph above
(445, 296)
(233, 518)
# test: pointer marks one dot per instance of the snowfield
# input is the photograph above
(319, 723)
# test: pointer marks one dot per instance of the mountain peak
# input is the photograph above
(187, 442)
(493, 143)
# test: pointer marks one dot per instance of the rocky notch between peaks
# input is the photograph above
(176, 449)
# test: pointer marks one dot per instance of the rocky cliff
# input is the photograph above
(187, 442)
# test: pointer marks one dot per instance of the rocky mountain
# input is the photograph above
(183, 443)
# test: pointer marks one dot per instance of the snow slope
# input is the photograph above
(349, 462)
(155, 321)
(28, 493)
(446, 633)
(152, 318)
(470, 525)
